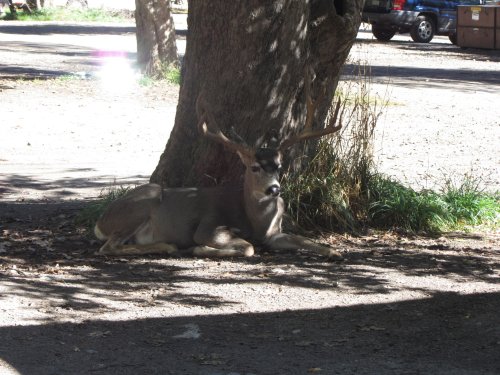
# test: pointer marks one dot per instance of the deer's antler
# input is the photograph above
(216, 134)
(308, 132)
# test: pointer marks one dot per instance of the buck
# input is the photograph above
(212, 222)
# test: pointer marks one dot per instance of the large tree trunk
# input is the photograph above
(250, 58)
(155, 32)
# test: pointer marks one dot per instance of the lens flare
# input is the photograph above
(115, 72)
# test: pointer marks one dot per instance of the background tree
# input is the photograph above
(12, 7)
(250, 58)
(35, 4)
(156, 46)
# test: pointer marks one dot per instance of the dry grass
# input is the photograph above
(330, 193)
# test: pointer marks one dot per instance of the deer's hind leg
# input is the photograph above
(116, 243)
(137, 249)
(126, 226)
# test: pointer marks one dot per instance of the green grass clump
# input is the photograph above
(73, 15)
(456, 207)
(169, 73)
(91, 213)
(146, 81)
(393, 205)
(468, 204)
(172, 74)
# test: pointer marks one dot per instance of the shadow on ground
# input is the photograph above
(65, 187)
(445, 334)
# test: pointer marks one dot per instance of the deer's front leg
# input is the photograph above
(220, 242)
(283, 241)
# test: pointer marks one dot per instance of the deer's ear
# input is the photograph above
(246, 159)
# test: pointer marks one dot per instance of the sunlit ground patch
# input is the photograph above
(6, 369)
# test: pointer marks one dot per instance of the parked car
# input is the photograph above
(421, 18)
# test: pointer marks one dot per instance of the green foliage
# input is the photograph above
(67, 78)
(455, 207)
(91, 213)
(393, 205)
(76, 15)
(146, 81)
(171, 73)
(469, 204)
(7, 15)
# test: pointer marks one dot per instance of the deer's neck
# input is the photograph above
(264, 213)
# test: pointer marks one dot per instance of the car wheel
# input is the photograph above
(382, 34)
(422, 30)
(453, 38)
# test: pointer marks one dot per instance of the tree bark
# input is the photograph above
(250, 58)
(12, 8)
(155, 32)
(34, 4)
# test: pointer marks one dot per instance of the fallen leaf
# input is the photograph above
(371, 328)
(99, 333)
(192, 332)
(314, 369)
(212, 359)
(304, 343)
(156, 342)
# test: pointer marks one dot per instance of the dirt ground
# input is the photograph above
(396, 305)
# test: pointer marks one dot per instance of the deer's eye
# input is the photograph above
(255, 168)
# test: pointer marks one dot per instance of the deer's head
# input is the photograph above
(263, 164)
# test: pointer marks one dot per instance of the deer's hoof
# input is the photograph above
(101, 252)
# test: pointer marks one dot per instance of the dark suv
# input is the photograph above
(422, 19)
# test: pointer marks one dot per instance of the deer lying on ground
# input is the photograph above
(211, 222)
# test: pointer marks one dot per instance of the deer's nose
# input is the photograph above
(273, 190)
